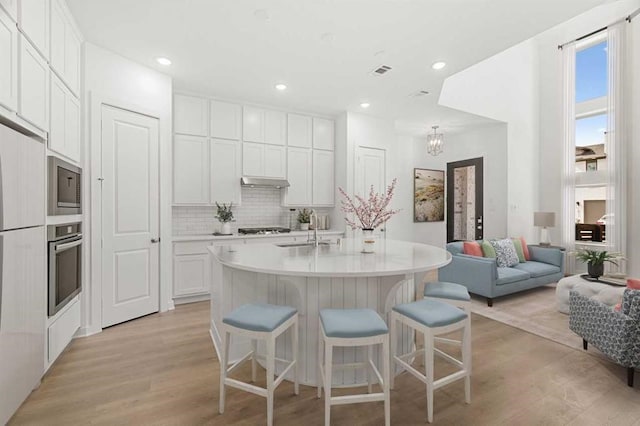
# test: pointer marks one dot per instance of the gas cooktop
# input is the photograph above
(263, 231)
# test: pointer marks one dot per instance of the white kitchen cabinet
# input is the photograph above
(275, 127)
(275, 161)
(252, 124)
(33, 93)
(11, 7)
(65, 46)
(263, 160)
(191, 274)
(8, 62)
(33, 21)
(323, 178)
(299, 130)
(190, 170)
(226, 171)
(190, 115)
(226, 120)
(299, 175)
(64, 133)
(323, 134)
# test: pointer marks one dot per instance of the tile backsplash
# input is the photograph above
(260, 207)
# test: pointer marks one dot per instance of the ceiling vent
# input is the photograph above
(381, 70)
(419, 94)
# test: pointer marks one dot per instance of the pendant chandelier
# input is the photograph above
(435, 142)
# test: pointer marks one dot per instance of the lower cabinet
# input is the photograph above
(191, 268)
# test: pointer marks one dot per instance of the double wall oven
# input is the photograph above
(65, 264)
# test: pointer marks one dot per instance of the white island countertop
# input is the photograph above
(391, 257)
(212, 237)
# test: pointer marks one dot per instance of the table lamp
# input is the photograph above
(544, 220)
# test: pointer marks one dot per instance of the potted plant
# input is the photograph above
(595, 260)
(304, 218)
(369, 213)
(225, 216)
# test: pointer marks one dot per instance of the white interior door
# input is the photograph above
(370, 170)
(130, 215)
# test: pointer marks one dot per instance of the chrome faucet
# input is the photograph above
(314, 222)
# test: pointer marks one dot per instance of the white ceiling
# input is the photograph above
(323, 50)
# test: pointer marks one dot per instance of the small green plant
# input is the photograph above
(304, 216)
(224, 212)
(595, 257)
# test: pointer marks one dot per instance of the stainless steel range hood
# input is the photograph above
(253, 182)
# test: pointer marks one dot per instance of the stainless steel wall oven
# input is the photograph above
(65, 264)
(65, 188)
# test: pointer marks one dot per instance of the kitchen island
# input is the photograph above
(313, 278)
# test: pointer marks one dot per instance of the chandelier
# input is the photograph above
(434, 142)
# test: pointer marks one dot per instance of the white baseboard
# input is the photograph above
(191, 299)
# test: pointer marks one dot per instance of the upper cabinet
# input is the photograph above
(66, 46)
(299, 130)
(33, 21)
(323, 134)
(33, 92)
(8, 62)
(190, 115)
(226, 120)
(64, 133)
(263, 160)
(11, 7)
(264, 126)
(323, 178)
(190, 170)
(299, 175)
(226, 171)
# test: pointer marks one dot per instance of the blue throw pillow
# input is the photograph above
(506, 255)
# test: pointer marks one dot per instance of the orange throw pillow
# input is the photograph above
(525, 249)
(472, 248)
(633, 283)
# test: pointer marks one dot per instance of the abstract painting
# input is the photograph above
(428, 195)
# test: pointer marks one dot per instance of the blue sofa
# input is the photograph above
(482, 276)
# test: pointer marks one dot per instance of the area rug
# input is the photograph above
(533, 311)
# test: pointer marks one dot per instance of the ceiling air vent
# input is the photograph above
(381, 70)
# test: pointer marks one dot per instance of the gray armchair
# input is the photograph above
(616, 334)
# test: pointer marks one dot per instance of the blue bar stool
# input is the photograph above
(432, 318)
(455, 294)
(259, 322)
(353, 327)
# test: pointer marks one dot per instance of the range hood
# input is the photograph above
(253, 182)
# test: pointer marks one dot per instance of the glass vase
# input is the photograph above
(368, 241)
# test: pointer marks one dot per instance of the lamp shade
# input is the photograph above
(544, 219)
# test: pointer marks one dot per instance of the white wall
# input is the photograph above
(551, 149)
(119, 81)
(489, 142)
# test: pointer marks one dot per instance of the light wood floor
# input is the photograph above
(161, 369)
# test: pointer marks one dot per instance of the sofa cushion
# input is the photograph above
(455, 247)
(525, 249)
(537, 269)
(511, 275)
(487, 250)
(519, 250)
(505, 253)
(472, 248)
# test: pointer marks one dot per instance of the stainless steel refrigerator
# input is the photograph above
(23, 262)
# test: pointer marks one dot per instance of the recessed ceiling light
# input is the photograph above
(163, 61)
(281, 86)
(438, 65)
(365, 105)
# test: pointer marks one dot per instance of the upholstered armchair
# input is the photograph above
(614, 333)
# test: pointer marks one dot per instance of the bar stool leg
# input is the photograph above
(369, 351)
(428, 366)
(271, 360)
(385, 378)
(226, 337)
(393, 345)
(466, 358)
(254, 348)
(296, 368)
(328, 380)
(320, 378)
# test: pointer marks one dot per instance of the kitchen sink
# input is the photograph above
(304, 244)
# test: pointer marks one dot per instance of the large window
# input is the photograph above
(591, 85)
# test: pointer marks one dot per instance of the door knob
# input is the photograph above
(155, 240)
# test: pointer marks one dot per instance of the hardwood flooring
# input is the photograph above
(162, 370)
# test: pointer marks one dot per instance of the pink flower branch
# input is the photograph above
(371, 212)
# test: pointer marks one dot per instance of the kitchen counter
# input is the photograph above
(311, 279)
(211, 237)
